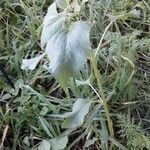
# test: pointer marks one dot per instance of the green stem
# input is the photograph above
(67, 92)
(101, 93)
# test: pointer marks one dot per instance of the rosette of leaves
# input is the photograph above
(65, 41)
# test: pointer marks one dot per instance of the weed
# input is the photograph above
(99, 99)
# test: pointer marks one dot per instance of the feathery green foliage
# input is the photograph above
(135, 137)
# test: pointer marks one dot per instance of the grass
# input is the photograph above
(115, 79)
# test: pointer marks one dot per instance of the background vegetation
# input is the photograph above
(31, 114)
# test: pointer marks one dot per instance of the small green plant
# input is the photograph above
(136, 138)
(66, 41)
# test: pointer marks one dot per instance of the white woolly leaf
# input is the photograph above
(59, 143)
(44, 145)
(30, 64)
(67, 46)
(76, 117)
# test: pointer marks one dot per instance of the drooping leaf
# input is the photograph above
(53, 20)
(76, 117)
(44, 145)
(30, 64)
(67, 46)
(59, 143)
